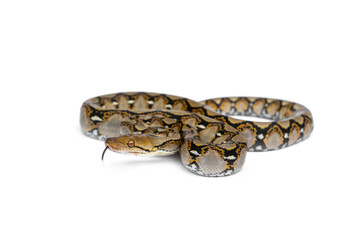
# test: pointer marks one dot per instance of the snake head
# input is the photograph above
(129, 144)
(148, 144)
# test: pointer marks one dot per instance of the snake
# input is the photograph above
(211, 139)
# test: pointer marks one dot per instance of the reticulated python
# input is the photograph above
(210, 142)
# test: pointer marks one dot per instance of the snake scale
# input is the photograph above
(211, 143)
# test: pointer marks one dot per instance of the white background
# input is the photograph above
(56, 54)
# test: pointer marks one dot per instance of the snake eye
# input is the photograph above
(131, 143)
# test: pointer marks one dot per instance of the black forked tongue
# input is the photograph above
(102, 156)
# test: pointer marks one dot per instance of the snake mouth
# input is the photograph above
(125, 150)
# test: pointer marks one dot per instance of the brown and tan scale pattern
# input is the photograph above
(211, 143)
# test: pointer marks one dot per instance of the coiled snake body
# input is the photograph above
(210, 142)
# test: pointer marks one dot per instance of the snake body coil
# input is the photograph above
(210, 142)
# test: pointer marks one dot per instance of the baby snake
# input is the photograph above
(210, 142)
